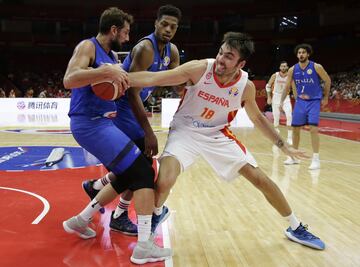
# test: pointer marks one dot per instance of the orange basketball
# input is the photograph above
(106, 90)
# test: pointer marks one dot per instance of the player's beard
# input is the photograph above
(115, 45)
(302, 59)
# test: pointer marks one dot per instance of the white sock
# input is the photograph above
(290, 134)
(121, 207)
(159, 210)
(294, 222)
(100, 183)
(90, 210)
(316, 156)
(144, 227)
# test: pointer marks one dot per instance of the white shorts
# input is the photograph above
(276, 99)
(286, 107)
(225, 154)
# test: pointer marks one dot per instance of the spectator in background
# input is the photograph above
(60, 94)
(2, 92)
(12, 93)
(29, 93)
(42, 93)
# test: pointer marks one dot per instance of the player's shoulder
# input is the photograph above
(143, 49)
(144, 46)
(173, 47)
(291, 69)
(317, 65)
(85, 45)
(250, 84)
(249, 90)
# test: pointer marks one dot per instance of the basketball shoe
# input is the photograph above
(315, 164)
(76, 225)
(148, 251)
(158, 219)
(123, 224)
(291, 161)
(302, 236)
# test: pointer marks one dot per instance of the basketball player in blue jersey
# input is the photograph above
(92, 127)
(310, 96)
(152, 53)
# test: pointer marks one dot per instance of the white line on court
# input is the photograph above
(43, 200)
(167, 243)
(347, 163)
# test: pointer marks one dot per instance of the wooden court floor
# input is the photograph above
(215, 223)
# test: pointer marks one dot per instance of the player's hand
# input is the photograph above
(294, 153)
(119, 76)
(324, 102)
(151, 145)
(281, 107)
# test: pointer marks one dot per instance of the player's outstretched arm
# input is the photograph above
(263, 124)
(190, 71)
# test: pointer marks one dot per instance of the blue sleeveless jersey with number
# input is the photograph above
(83, 101)
(125, 119)
(307, 82)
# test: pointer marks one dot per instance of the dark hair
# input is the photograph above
(284, 62)
(113, 16)
(169, 10)
(307, 47)
(241, 42)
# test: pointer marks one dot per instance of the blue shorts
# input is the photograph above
(105, 141)
(129, 125)
(306, 112)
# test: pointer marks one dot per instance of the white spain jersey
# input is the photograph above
(209, 106)
(279, 83)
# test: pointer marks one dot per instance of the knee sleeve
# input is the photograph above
(139, 175)
(140, 143)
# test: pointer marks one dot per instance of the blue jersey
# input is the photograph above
(125, 119)
(83, 101)
(307, 82)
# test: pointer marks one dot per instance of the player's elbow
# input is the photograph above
(257, 119)
(67, 82)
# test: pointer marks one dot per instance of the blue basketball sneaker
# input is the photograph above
(158, 219)
(90, 191)
(123, 224)
(303, 236)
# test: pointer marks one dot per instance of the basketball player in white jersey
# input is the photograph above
(274, 90)
(216, 89)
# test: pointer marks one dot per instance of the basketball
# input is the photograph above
(106, 90)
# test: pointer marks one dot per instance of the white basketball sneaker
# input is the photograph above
(291, 161)
(289, 140)
(148, 251)
(315, 164)
(76, 225)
